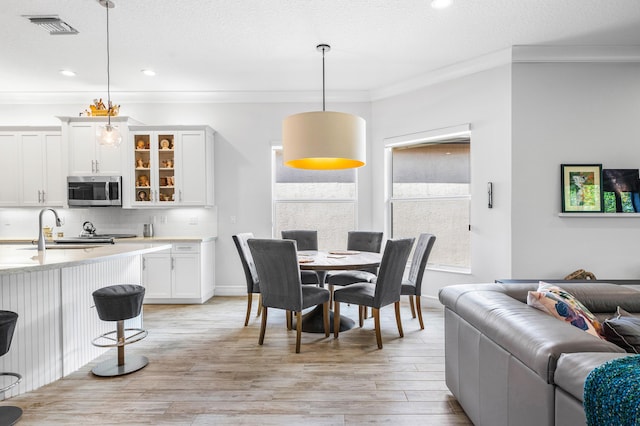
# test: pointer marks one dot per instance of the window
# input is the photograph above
(430, 192)
(324, 200)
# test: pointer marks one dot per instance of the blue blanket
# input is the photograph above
(612, 393)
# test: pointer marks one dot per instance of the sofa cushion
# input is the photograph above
(623, 330)
(562, 305)
(572, 370)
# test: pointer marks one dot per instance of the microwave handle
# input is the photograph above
(106, 190)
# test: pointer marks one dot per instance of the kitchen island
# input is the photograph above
(52, 293)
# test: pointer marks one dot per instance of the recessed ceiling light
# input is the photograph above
(150, 73)
(68, 73)
(441, 4)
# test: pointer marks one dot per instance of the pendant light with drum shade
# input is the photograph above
(108, 135)
(324, 140)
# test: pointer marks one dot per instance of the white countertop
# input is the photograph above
(136, 240)
(19, 258)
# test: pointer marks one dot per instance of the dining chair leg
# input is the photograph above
(336, 319)
(376, 321)
(413, 309)
(298, 330)
(361, 315)
(331, 295)
(263, 325)
(398, 319)
(325, 318)
(259, 305)
(249, 299)
(289, 320)
(419, 309)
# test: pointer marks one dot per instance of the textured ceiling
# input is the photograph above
(269, 45)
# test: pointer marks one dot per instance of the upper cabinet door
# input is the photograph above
(10, 153)
(86, 155)
(191, 174)
(33, 169)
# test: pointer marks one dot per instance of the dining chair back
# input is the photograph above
(365, 241)
(249, 268)
(305, 240)
(279, 273)
(385, 291)
(412, 285)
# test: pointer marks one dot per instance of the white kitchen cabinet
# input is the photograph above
(85, 155)
(32, 160)
(10, 154)
(185, 274)
(171, 166)
(42, 176)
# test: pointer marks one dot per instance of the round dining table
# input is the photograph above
(323, 261)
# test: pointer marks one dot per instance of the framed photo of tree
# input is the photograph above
(581, 188)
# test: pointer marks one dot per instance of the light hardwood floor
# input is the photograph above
(207, 369)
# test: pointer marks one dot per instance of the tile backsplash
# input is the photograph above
(187, 222)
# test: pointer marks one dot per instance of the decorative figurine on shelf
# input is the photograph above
(140, 144)
(170, 181)
(143, 180)
(167, 164)
(164, 144)
(142, 196)
(139, 163)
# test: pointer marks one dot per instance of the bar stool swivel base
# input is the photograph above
(117, 366)
(9, 415)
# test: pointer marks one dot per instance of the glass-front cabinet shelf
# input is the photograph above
(154, 162)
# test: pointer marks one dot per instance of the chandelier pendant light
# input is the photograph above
(324, 140)
(108, 134)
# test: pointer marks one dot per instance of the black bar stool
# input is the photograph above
(9, 415)
(118, 303)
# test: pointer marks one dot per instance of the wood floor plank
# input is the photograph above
(207, 368)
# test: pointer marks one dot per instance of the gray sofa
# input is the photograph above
(510, 364)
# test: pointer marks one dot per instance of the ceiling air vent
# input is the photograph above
(53, 24)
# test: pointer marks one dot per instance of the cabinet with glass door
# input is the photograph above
(154, 165)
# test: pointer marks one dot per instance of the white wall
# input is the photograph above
(482, 100)
(243, 140)
(575, 113)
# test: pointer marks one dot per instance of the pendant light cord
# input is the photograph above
(108, 70)
(323, 102)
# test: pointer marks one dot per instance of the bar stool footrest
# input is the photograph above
(18, 380)
(110, 367)
(141, 334)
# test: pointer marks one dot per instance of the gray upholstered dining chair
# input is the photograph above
(250, 273)
(412, 285)
(385, 291)
(305, 240)
(279, 273)
(360, 241)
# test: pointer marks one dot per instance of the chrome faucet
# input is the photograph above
(41, 241)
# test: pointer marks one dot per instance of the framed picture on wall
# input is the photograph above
(581, 188)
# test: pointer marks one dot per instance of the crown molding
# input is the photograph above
(84, 98)
(511, 55)
(524, 54)
(451, 72)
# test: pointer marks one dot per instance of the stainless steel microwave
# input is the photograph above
(94, 191)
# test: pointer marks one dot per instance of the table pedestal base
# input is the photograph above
(312, 321)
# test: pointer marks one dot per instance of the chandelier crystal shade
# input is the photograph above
(324, 140)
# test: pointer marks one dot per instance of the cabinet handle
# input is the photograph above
(44, 199)
(93, 166)
(144, 263)
(39, 196)
(97, 167)
(180, 195)
(173, 263)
